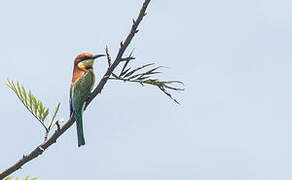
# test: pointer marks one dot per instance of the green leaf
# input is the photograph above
(144, 78)
(45, 114)
(34, 100)
(124, 72)
(30, 100)
(54, 116)
(137, 69)
(33, 105)
(56, 111)
(35, 108)
(40, 109)
(14, 87)
(19, 91)
(26, 178)
(24, 95)
(123, 69)
(152, 71)
(168, 94)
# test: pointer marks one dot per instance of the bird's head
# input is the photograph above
(86, 60)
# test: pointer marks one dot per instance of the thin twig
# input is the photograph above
(122, 49)
(43, 146)
(109, 60)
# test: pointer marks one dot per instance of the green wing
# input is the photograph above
(80, 91)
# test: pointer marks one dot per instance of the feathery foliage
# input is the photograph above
(26, 178)
(33, 105)
(143, 75)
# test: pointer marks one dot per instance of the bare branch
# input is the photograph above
(143, 76)
(122, 49)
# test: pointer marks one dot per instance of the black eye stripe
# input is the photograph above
(84, 58)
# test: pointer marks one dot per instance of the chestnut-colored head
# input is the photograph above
(85, 60)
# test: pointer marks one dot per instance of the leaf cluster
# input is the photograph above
(26, 178)
(33, 105)
(143, 75)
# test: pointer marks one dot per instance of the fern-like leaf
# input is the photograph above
(128, 74)
(33, 105)
(17, 178)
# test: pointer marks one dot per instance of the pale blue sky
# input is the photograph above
(235, 117)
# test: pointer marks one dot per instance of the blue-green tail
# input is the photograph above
(79, 125)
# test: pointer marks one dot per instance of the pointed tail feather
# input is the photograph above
(79, 125)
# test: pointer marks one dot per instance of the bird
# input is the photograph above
(82, 83)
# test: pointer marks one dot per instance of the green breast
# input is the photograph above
(81, 90)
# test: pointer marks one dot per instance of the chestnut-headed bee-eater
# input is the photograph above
(82, 83)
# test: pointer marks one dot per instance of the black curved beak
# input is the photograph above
(97, 56)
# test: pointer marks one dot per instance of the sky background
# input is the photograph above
(235, 117)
